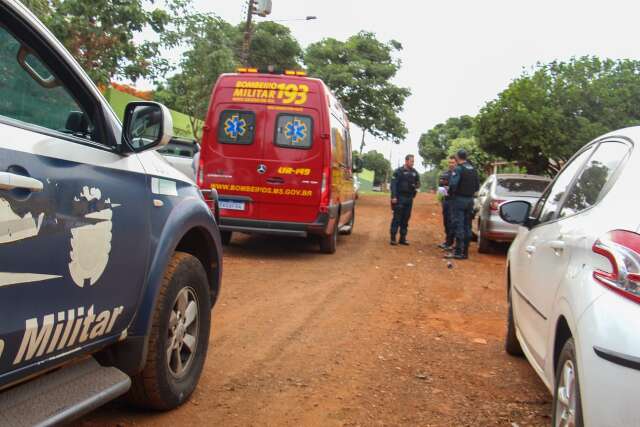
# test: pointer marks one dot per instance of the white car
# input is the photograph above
(574, 284)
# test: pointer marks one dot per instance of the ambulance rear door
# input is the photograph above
(233, 162)
(293, 155)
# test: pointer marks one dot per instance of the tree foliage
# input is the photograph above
(434, 145)
(429, 179)
(544, 117)
(376, 162)
(271, 44)
(101, 34)
(209, 54)
(480, 159)
(360, 72)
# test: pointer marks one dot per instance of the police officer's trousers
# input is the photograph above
(462, 216)
(401, 215)
(447, 220)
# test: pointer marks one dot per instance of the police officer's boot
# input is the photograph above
(465, 252)
(403, 241)
(392, 240)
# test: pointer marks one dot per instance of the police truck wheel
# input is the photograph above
(567, 403)
(511, 343)
(329, 243)
(225, 237)
(179, 337)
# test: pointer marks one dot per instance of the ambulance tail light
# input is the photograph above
(324, 190)
(622, 249)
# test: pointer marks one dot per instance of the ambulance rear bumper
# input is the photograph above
(280, 228)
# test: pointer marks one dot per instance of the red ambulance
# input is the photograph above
(277, 149)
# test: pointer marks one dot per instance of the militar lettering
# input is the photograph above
(64, 330)
(265, 92)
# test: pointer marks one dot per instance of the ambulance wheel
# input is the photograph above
(179, 337)
(349, 227)
(225, 237)
(329, 243)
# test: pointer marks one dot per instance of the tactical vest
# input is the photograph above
(406, 181)
(469, 181)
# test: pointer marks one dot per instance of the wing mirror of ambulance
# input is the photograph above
(147, 125)
(516, 212)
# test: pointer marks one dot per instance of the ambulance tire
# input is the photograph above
(351, 223)
(225, 237)
(165, 384)
(328, 243)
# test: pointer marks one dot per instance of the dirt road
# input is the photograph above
(374, 335)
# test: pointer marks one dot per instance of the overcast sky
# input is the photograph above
(460, 54)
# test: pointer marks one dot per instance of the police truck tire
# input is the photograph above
(511, 343)
(225, 237)
(179, 337)
(329, 243)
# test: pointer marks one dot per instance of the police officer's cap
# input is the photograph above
(462, 154)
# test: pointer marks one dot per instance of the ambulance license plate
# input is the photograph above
(231, 205)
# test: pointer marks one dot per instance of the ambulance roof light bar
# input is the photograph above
(294, 73)
(272, 70)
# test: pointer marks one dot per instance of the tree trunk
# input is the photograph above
(195, 125)
(364, 132)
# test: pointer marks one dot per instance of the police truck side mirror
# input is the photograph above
(358, 165)
(147, 125)
(516, 212)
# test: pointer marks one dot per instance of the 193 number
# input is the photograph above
(293, 94)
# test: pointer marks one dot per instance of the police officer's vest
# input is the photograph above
(469, 182)
(406, 181)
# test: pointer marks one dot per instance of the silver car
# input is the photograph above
(496, 190)
(179, 153)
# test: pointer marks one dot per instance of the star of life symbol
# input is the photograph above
(235, 126)
(296, 131)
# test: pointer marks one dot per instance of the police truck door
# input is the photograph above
(73, 225)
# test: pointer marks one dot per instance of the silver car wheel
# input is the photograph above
(183, 332)
(566, 396)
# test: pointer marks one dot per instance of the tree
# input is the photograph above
(271, 44)
(40, 8)
(360, 72)
(434, 145)
(101, 34)
(429, 180)
(376, 162)
(210, 53)
(545, 116)
(480, 159)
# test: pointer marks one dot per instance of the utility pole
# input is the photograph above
(247, 35)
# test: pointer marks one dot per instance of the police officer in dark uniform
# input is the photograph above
(443, 182)
(404, 187)
(464, 183)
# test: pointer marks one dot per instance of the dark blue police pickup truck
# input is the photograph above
(110, 259)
